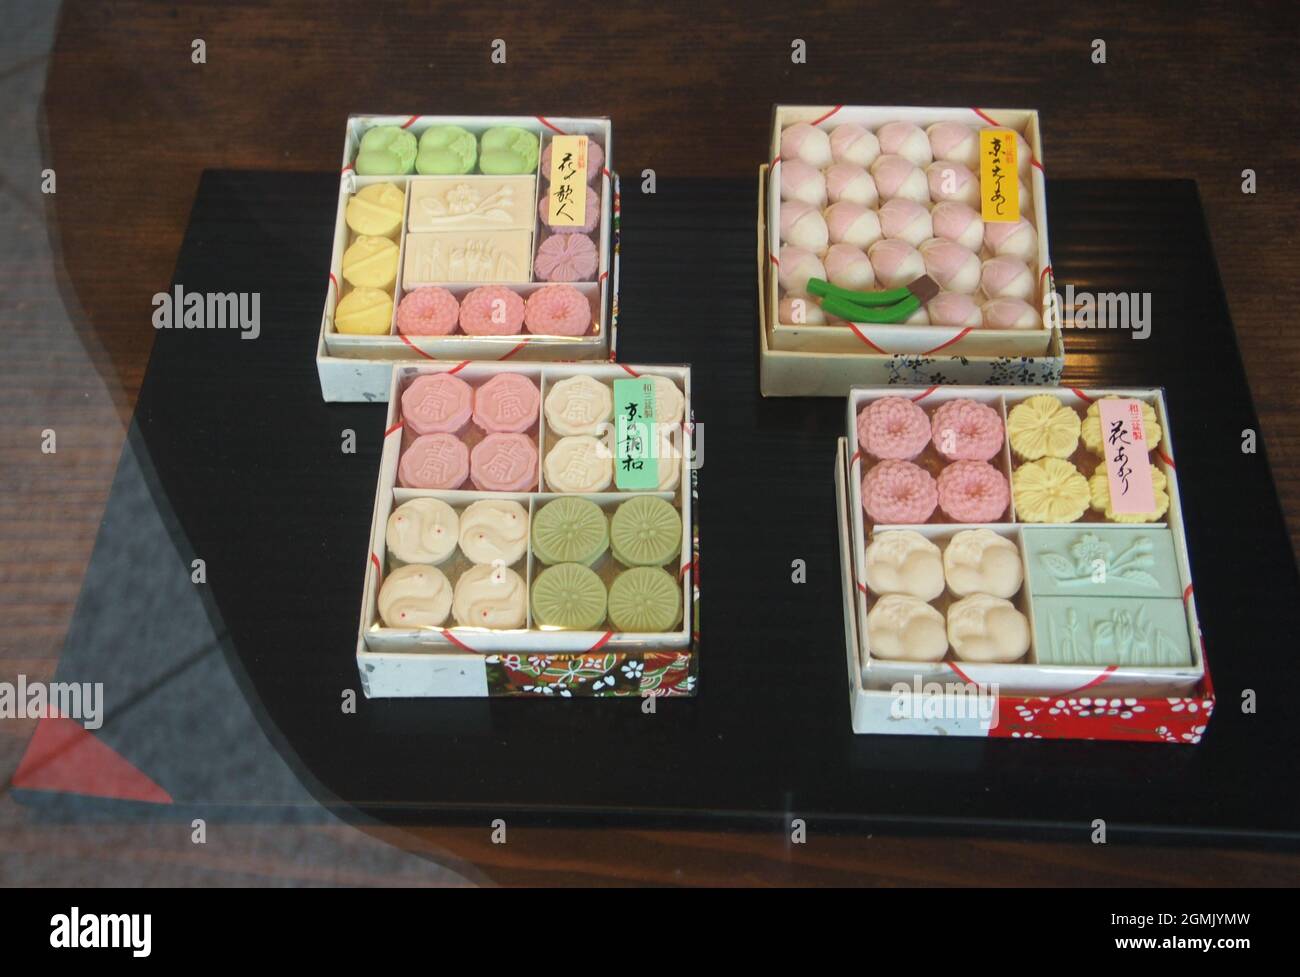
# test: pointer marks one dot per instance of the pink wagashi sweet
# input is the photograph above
(954, 309)
(428, 311)
(848, 267)
(795, 266)
(558, 310)
(566, 258)
(801, 310)
(899, 177)
(799, 181)
(806, 142)
(1012, 239)
(851, 143)
(958, 222)
(437, 403)
(1007, 278)
(896, 492)
(504, 463)
(973, 491)
(955, 268)
(595, 160)
(591, 214)
(905, 220)
(905, 139)
(802, 224)
(952, 181)
(966, 430)
(506, 404)
(434, 461)
(847, 182)
(849, 223)
(955, 142)
(896, 263)
(893, 428)
(1009, 313)
(492, 310)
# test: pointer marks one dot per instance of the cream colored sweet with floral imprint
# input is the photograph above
(468, 256)
(906, 628)
(494, 530)
(902, 561)
(472, 203)
(984, 628)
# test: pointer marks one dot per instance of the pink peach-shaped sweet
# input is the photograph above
(952, 181)
(1012, 239)
(893, 427)
(434, 461)
(557, 310)
(905, 220)
(955, 268)
(850, 143)
(427, 311)
(918, 318)
(849, 223)
(806, 142)
(595, 160)
(955, 142)
(905, 139)
(973, 491)
(802, 224)
(848, 267)
(801, 310)
(506, 404)
(851, 183)
(1009, 313)
(896, 263)
(504, 463)
(899, 177)
(1007, 278)
(492, 310)
(437, 403)
(954, 309)
(795, 266)
(799, 181)
(591, 214)
(896, 492)
(958, 222)
(966, 430)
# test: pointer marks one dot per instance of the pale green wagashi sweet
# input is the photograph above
(446, 150)
(570, 530)
(645, 599)
(505, 150)
(569, 596)
(386, 151)
(645, 532)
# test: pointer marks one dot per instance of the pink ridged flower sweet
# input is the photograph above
(966, 430)
(893, 428)
(973, 491)
(905, 220)
(428, 311)
(557, 310)
(899, 492)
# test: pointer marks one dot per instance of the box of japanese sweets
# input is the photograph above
(534, 534)
(1014, 564)
(469, 238)
(860, 206)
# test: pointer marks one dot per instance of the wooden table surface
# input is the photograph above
(129, 121)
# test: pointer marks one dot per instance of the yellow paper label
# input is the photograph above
(568, 189)
(999, 180)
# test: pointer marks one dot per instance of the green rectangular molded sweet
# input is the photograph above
(1090, 561)
(1111, 631)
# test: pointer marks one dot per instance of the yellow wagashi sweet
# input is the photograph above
(1050, 490)
(371, 261)
(1042, 426)
(364, 311)
(1091, 429)
(1099, 485)
(377, 210)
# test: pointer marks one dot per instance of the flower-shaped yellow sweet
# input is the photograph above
(1050, 490)
(1100, 487)
(1043, 426)
(1091, 429)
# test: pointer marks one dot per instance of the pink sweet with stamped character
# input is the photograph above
(506, 404)
(504, 463)
(434, 461)
(437, 404)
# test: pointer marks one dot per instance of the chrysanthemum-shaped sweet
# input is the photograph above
(1042, 426)
(570, 530)
(966, 430)
(1049, 490)
(645, 531)
(973, 491)
(557, 310)
(903, 628)
(893, 427)
(984, 628)
(897, 492)
(1099, 486)
(645, 599)
(1091, 429)
(569, 596)
(902, 561)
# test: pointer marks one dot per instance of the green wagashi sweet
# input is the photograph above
(505, 150)
(446, 150)
(570, 530)
(569, 596)
(386, 151)
(646, 531)
(645, 599)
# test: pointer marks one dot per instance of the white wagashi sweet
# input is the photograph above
(902, 561)
(415, 596)
(979, 561)
(422, 531)
(906, 628)
(578, 405)
(494, 530)
(579, 463)
(984, 628)
(490, 596)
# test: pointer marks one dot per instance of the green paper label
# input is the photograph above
(636, 465)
